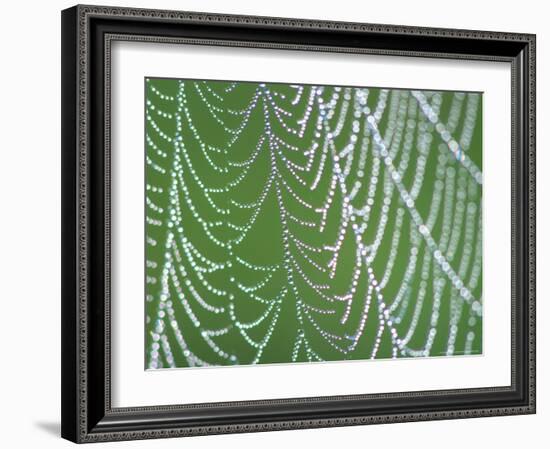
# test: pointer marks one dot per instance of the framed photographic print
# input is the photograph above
(283, 223)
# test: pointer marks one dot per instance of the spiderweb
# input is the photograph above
(299, 223)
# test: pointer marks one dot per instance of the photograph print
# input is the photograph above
(292, 223)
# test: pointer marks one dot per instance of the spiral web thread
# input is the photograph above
(298, 223)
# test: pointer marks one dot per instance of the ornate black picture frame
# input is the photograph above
(87, 34)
